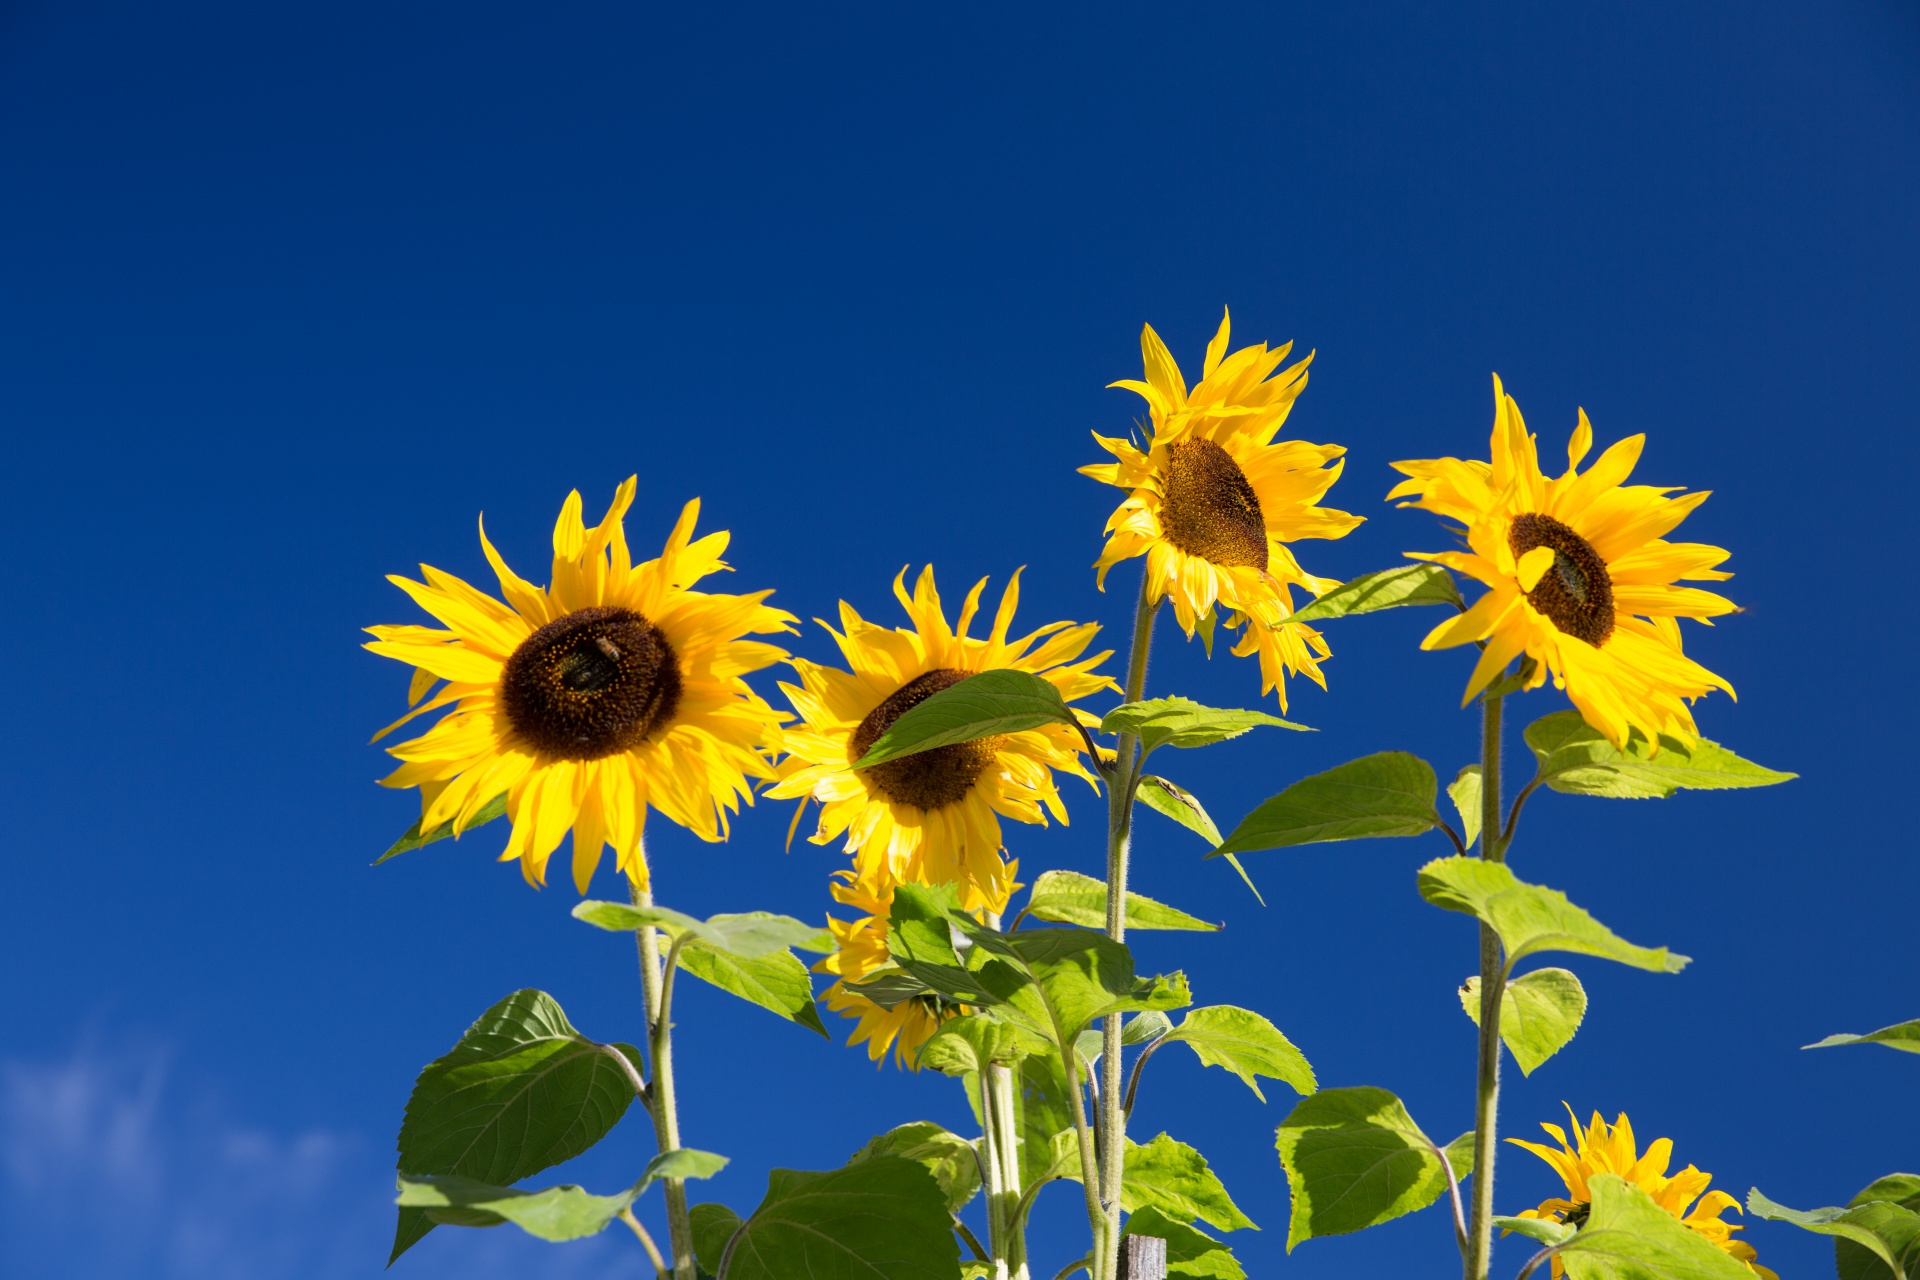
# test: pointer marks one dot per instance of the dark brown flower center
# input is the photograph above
(1208, 509)
(1576, 593)
(591, 684)
(932, 779)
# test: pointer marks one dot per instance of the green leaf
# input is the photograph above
(1629, 1237)
(1545, 1230)
(520, 1092)
(747, 933)
(1464, 791)
(777, 981)
(1354, 1158)
(1389, 794)
(1067, 897)
(1172, 1177)
(1900, 1190)
(1573, 757)
(992, 702)
(1059, 981)
(1045, 1107)
(713, 1225)
(884, 1218)
(1182, 722)
(557, 1213)
(1246, 1044)
(1176, 802)
(971, 1044)
(1879, 1229)
(494, 808)
(1539, 1012)
(1460, 1156)
(1904, 1036)
(1142, 1027)
(949, 1157)
(1192, 1254)
(1388, 589)
(1529, 918)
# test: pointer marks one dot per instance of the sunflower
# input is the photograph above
(863, 949)
(1598, 1149)
(1214, 501)
(1580, 577)
(932, 817)
(614, 689)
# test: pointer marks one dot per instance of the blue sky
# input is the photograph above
(293, 292)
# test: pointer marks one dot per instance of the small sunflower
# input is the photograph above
(1214, 501)
(1580, 577)
(863, 949)
(1598, 1149)
(932, 817)
(614, 689)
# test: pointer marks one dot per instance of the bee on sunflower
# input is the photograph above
(861, 950)
(615, 688)
(1580, 577)
(1213, 501)
(934, 817)
(1599, 1148)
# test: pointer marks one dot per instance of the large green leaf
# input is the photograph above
(1172, 1177)
(1354, 1158)
(1045, 1108)
(1539, 1012)
(1530, 918)
(413, 839)
(950, 1158)
(1388, 589)
(969, 1045)
(1904, 1036)
(1067, 897)
(1389, 794)
(776, 981)
(520, 1092)
(1246, 1044)
(1884, 1233)
(713, 1225)
(1182, 722)
(1629, 1237)
(980, 706)
(1573, 757)
(883, 1218)
(1192, 1254)
(556, 1213)
(1059, 981)
(745, 933)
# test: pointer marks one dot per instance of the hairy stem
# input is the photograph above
(1493, 976)
(656, 982)
(1120, 788)
(1010, 1245)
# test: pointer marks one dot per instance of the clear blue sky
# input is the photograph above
(291, 292)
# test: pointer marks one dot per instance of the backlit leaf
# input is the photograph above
(1904, 1036)
(1530, 918)
(992, 702)
(1354, 1158)
(777, 981)
(1388, 589)
(1067, 897)
(1389, 794)
(746, 933)
(1629, 1237)
(555, 1213)
(1573, 757)
(1884, 1234)
(949, 1157)
(1182, 722)
(1246, 1044)
(1464, 791)
(1172, 1177)
(407, 843)
(1192, 1254)
(1539, 1012)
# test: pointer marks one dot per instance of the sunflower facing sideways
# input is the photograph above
(932, 817)
(862, 948)
(1580, 576)
(613, 689)
(1213, 501)
(1600, 1149)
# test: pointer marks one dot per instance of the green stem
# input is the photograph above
(1121, 782)
(1010, 1245)
(656, 982)
(1493, 981)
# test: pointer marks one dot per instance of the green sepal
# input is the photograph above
(992, 702)
(1182, 722)
(1530, 918)
(950, 1158)
(1573, 757)
(1388, 589)
(407, 843)
(1904, 1036)
(1388, 794)
(1067, 897)
(1354, 1158)
(1539, 1013)
(1246, 1044)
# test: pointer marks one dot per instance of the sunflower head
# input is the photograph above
(613, 689)
(1579, 576)
(1600, 1148)
(862, 949)
(1213, 500)
(932, 817)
